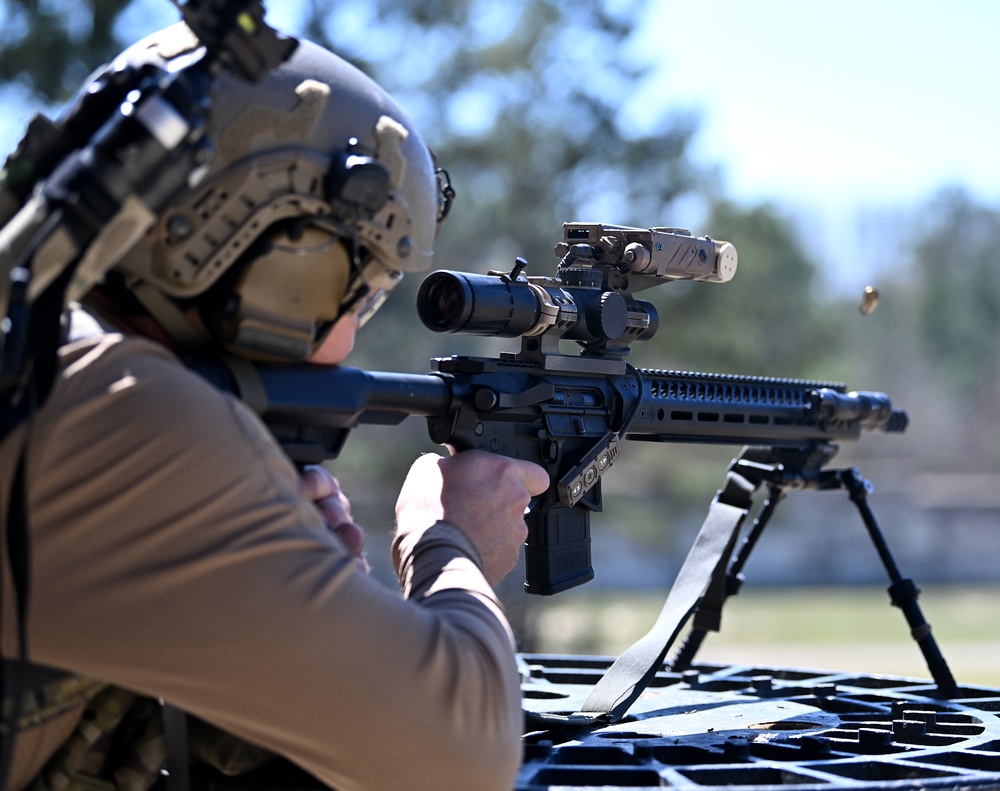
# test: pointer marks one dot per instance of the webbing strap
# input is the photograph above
(18, 554)
(248, 384)
(707, 559)
(175, 732)
(174, 322)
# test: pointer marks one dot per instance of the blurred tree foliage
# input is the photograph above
(50, 47)
(944, 347)
(527, 104)
(956, 272)
(768, 320)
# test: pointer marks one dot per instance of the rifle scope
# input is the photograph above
(510, 307)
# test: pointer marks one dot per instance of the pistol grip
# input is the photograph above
(557, 552)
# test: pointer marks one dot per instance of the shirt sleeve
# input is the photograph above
(173, 557)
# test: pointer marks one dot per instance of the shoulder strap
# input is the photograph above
(17, 545)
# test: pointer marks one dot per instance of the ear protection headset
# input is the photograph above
(288, 290)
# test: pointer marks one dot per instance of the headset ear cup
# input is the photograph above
(285, 296)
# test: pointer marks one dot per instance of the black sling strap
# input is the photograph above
(175, 732)
(20, 564)
(40, 368)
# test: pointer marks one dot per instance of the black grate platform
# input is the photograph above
(750, 728)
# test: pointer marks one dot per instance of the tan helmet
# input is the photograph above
(321, 194)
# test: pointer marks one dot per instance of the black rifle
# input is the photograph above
(565, 412)
(569, 421)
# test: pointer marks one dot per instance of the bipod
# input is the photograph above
(782, 470)
(711, 573)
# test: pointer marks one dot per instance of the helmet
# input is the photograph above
(320, 195)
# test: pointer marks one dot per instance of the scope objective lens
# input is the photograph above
(444, 303)
(459, 302)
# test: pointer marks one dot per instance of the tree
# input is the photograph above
(947, 358)
(959, 291)
(50, 48)
(767, 320)
(527, 105)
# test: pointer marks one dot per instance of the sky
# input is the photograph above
(857, 100)
(841, 113)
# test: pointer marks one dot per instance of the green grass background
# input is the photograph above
(849, 628)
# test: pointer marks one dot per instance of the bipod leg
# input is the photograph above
(902, 591)
(708, 616)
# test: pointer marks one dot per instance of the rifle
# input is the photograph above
(566, 412)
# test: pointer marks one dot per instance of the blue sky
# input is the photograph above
(844, 113)
(850, 100)
(832, 110)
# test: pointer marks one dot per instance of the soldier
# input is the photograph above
(178, 555)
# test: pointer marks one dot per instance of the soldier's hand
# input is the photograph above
(319, 486)
(483, 494)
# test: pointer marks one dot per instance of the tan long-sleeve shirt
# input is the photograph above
(173, 557)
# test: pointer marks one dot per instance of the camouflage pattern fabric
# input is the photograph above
(223, 751)
(119, 742)
(46, 693)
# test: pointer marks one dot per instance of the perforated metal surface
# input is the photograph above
(747, 727)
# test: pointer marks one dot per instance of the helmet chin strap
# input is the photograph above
(177, 325)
